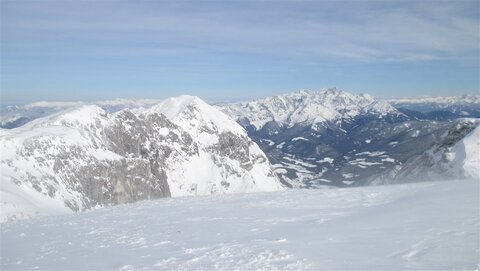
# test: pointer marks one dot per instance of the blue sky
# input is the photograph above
(91, 50)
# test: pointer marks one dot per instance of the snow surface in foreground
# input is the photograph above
(413, 226)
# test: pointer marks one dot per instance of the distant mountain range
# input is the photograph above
(429, 108)
(440, 101)
(439, 108)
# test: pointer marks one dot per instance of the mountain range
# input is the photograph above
(64, 157)
(439, 108)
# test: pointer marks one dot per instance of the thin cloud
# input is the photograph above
(376, 32)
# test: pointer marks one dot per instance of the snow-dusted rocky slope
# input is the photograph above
(331, 137)
(454, 155)
(423, 226)
(84, 158)
(448, 159)
(465, 155)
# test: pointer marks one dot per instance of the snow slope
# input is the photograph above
(466, 155)
(432, 226)
(22, 201)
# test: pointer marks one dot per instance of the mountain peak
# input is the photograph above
(308, 107)
(195, 115)
(173, 106)
(332, 91)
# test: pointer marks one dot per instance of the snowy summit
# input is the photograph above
(308, 107)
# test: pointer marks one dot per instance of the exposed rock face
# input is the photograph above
(85, 158)
(99, 163)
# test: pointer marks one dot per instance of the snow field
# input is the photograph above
(415, 226)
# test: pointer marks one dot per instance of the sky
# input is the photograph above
(91, 50)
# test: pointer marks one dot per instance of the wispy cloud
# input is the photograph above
(353, 31)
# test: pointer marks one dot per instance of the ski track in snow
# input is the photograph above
(414, 226)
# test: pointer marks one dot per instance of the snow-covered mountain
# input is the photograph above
(85, 158)
(80, 156)
(307, 107)
(331, 137)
